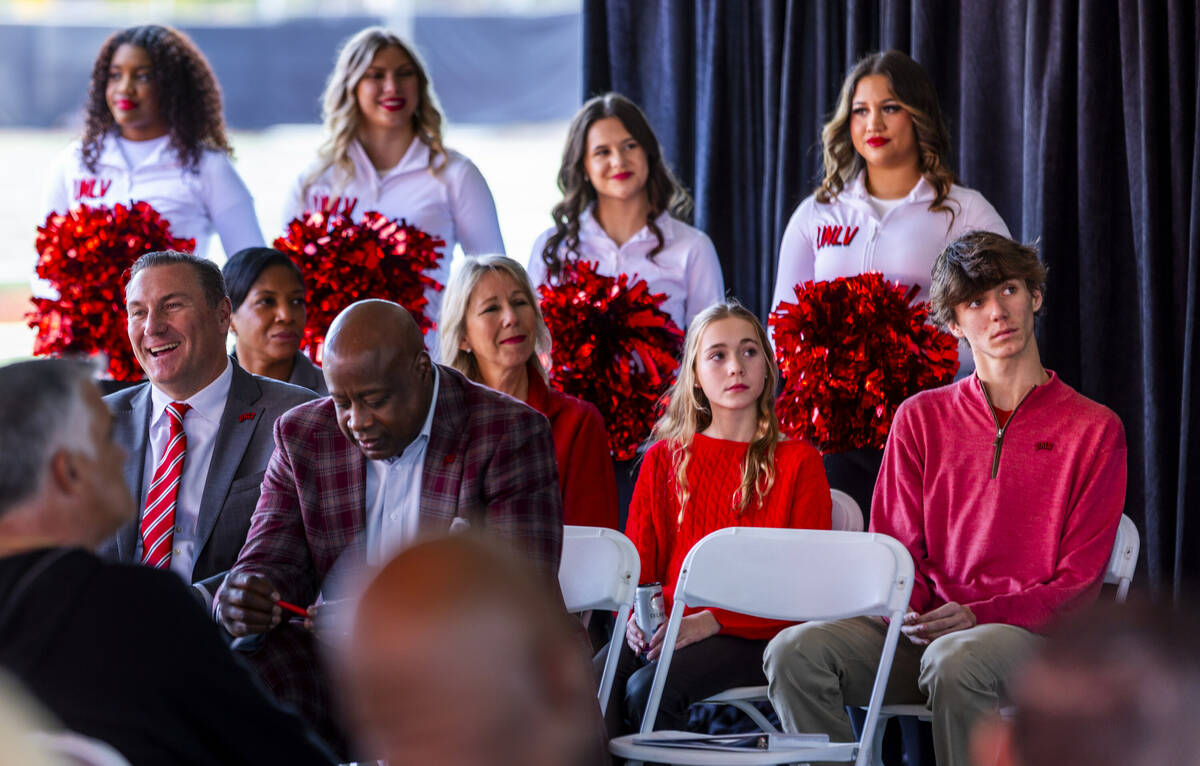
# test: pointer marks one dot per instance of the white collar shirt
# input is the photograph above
(686, 269)
(393, 493)
(200, 426)
(847, 236)
(455, 205)
(213, 198)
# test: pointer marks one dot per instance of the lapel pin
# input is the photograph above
(448, 459)
(245, 416)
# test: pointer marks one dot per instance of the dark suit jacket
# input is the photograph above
(308, 375)
(243, 447)
(157, 683)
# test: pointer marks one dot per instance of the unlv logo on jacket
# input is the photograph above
(835, 235)
(91, 188)
(333, 205)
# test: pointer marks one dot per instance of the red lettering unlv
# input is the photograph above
(91, 188)
(333, 205)
(835, 235)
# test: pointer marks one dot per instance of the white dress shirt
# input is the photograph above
(200, 425)
(213, 198)
(394, 493)
(686, 269)
(454, 205)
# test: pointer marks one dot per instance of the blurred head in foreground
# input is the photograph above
(457, 656)
(1114, 684)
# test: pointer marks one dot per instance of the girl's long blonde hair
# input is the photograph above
(340, 105)
(911, 86)
(688, 413)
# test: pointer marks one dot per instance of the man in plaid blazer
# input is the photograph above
(403, 449)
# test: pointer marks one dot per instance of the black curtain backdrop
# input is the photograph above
(1080, 122)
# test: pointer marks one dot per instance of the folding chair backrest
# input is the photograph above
(1123, 560)
(599, 569)
(797, 574)
(847, 516)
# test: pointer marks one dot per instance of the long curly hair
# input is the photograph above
(188, 94)
(663, 191)
(688, 413)
(340, 105)
(457, 299)
(911, 86)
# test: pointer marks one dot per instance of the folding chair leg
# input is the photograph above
(877, 741)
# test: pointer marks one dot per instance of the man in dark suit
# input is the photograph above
(116, 652)
(403, 449)
(198, 434)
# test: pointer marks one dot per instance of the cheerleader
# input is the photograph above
(622, 208)
(154, 132)
(716, 460)
(383, 152)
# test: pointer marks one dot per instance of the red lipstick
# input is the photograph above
(877, 141)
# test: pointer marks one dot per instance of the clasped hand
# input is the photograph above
(947, 618)
(692, 628)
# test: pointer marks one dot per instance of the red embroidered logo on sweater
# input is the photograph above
(835, 235)
(333, 205)
(1047, 446)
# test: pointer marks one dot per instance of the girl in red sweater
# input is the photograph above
(716, 460)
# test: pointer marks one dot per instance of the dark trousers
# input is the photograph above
(697, 671)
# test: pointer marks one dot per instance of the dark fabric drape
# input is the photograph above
(1079, 121)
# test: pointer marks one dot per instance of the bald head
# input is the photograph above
(379, 376)
(455, 648)
(374, 324)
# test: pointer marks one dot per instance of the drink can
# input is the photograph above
(648, 609)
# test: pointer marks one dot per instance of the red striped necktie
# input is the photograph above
(158, 522)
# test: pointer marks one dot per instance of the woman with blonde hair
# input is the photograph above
(383, 152)
(623, 209)
(493, 332)
(888, 201)
(716, 460)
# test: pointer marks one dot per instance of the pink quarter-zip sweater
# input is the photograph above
(1016, 523)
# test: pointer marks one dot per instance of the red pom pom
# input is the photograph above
(344, 262)
(86, 254)
(613, 347)
(851, 350)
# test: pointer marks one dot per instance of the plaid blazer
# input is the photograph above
(490, 461)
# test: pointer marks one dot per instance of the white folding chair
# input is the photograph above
(847, 516)
(599, 570)
(1121, 564)
(784, 574)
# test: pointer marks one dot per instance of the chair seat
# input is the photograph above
(738, 693)
(917, 711)
(624, 747)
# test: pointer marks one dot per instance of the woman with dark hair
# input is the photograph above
(623, 209)
(266, 289)
(383, 152)
(154, 131)
(888, 201)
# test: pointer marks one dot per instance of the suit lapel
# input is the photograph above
(131, 426)
(238, 422)
(441, 476)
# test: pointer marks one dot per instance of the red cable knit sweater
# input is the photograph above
(799, 499)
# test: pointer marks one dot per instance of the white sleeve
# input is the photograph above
(57, 197)
(293, 203)
(705, 285)
(474, 211)
(229, 205)
(978, 214)
(797, 257)
(536, 268)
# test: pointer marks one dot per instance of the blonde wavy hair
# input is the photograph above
(911, 86)
(688, 413)
(457, 299)
(340, 105)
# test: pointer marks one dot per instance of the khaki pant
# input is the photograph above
(814, 670)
